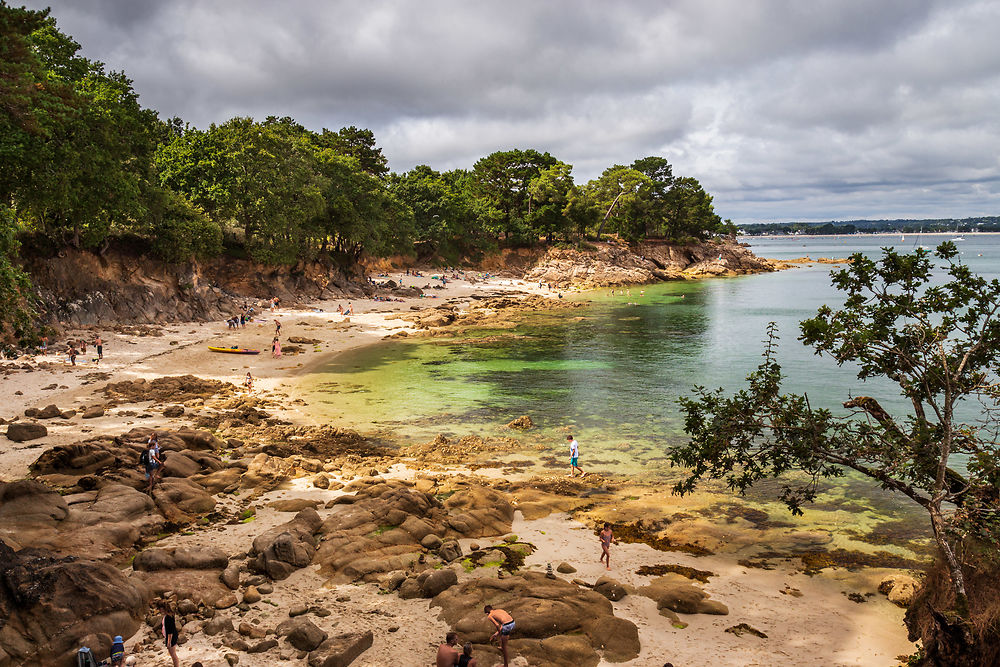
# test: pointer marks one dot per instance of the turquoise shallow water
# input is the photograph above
(610, 372)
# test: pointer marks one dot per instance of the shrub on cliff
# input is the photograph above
(935, 333)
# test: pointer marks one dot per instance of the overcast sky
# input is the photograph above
(796, 110)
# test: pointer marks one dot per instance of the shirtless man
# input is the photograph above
(447, 653)
(504, 623)
(607, 537)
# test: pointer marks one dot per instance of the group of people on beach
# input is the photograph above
(72, 351)
(448, 655)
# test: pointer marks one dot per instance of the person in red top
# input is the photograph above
(504, 623)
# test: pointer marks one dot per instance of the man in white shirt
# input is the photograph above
(574, 457)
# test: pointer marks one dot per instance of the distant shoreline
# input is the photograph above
(832, 236)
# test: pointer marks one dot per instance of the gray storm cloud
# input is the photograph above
(784, 110)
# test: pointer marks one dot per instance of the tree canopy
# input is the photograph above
(81, 161)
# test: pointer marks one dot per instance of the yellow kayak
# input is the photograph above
(233, 350)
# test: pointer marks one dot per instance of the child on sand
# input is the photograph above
(607, 538)
(275, 347)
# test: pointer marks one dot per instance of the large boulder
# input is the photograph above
(553, 611)
(899, 588)
(51, 606)
(478, 512)
(438, 581)
(301, 633)
(24, 431)
(341, 650)
(286, 548)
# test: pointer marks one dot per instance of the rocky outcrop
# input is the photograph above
(286, 548)
(187, 573)
(81, 288)
(389, 526)
(51, 606)
(551, 616)
(613, 264)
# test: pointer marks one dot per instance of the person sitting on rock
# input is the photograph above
(447, 655)
(504, 623)
(466, 659)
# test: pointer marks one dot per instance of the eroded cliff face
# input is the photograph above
(612, 264)
(80, 288)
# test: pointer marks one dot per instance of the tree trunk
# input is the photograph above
(954, 567)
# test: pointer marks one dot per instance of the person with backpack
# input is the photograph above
(152, 461)
(118, 651)
(85, 658)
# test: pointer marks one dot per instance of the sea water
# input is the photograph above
(610, 372)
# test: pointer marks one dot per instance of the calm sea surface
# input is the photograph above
(612, 370)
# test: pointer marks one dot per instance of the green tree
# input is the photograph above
(264, 176)
(622, 196)
(444, 212)
(179, 231)
(502, 179)
(358, 144)
(549, 194)
(936, 337)
(360, 214)
(689, 211)
(16, 301)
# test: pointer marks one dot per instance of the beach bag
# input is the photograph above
(85, 658)
(144, 457)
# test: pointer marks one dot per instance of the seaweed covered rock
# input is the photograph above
(51, 606)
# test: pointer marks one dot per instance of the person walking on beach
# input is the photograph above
(607, 538)
(99, 344)
(277, 327)
(447, 655)
(248, 382)
(504, 623)
(275, 348)
(168, 627)
(574, 457)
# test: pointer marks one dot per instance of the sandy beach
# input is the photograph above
(808, 619)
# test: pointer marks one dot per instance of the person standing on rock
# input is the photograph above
(607, 538)
(447, 653)
(574, 457)
(504, 623)
(169, 629)
(153, 461)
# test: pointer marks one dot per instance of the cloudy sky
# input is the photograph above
(794, 110)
